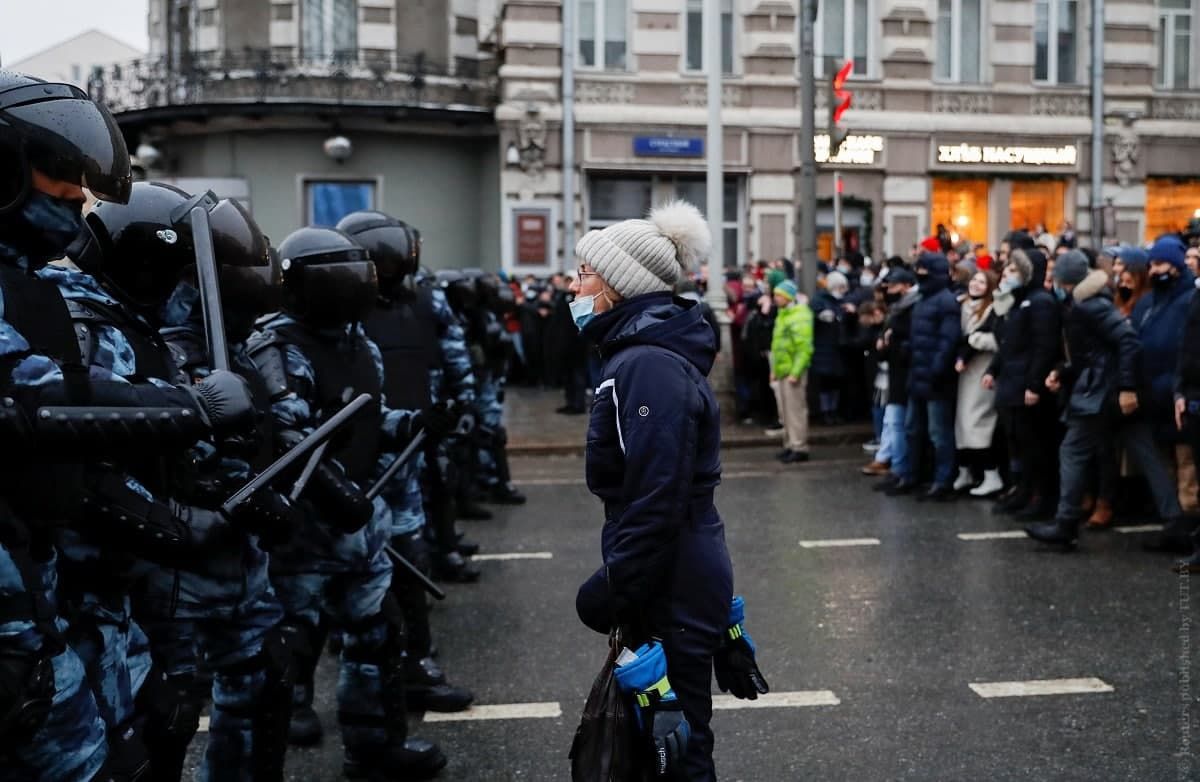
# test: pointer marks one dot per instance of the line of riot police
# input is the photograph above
(132, 589)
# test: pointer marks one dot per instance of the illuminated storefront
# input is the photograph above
(1170, 204)
(961, 205)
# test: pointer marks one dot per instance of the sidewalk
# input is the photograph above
(534, 428)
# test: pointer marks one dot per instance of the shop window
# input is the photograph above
(844, 31)
(1038, 202)
(615, 198)
(695, 36)
(1170, 205)
(1055, 48)
(961, 206)
(959, 42)
(1173, 42)
(328, 201)
(330, 29)
(603, 29)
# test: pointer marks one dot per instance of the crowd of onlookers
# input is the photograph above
(1053, 378)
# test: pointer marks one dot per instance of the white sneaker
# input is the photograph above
(871, 447)
(992, 484)
(965, 479)
(775, 432)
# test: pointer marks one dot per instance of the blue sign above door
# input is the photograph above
(667, 146)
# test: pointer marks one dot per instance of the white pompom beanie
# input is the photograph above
(645, 256)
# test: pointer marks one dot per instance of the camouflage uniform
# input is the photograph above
(345, 577)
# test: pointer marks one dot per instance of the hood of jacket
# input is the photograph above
(660, 320)
(938, 277)
(1031, 264)
(1093, 285)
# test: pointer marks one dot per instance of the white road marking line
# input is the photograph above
(840, 543)
(1038, 687)
(778, 700)
(512, 555)
(992, 535)
(203, 725)
(551, 482)
(1139, 528)
(500, 711)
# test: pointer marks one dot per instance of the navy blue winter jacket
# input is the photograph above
(1160, 319)
(936, 330)
(653, 458)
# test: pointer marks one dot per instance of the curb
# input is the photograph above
(850, 435)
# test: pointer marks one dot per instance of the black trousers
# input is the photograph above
(1032, 434)
(690, 668)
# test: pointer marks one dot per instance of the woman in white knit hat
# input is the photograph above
(653, 457)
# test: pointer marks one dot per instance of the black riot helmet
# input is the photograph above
(461, 289)
(394, 245)
(57, 130)
(141, 250)
(328, 279)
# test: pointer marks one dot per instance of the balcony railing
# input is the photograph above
(280, 76)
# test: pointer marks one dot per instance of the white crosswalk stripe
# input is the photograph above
(840, 542)
(1139, 529)
(778, 700)
(1006, 535)
(500, 711)
(508, 556)
(1037, 687)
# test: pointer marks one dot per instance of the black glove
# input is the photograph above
(669, 734)
(734, 663)
(269, 515)
(339, 500)
(659, 713)
(224, 398)
(26, 695)
(437, 420)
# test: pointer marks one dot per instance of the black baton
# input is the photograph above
(415, 572)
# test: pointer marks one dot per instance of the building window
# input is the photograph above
(961, 207)
(606, 21)
(1037, 202)
(328, 201)
(844, 32)
(1055, 54)
(1173, 42)
(330, 29)
(612, 199)
(958, 40)
(695, 36)
(282, 13)
(372, 15)
(207, 17)
(1170, 205)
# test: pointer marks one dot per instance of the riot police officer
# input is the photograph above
(413, 329)
(315, 356)
(219, 606)
(54, 142)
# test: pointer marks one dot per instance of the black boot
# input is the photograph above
(467, 548)
(469, 510)
(1175, 538)
(1191, 565)
(427, 689)
(453, 567)
(1060, 532)
(411, 759)
(506, 494)
(305, 643)
(1038, 509)
(1013, 501)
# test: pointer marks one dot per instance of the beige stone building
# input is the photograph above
(970, 113)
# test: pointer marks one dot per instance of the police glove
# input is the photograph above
(224, 399)
(734, 663)
(437, 420)
(659, 714)
(338, 500)
(26, 695)
(269, 515)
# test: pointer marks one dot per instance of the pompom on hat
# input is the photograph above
(647, 256)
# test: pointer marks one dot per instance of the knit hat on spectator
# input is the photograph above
(786, 290)
(1071, 268)
(646, 256)
(775, 276)
(931, 244)
(1169, 249)
(1134, 258)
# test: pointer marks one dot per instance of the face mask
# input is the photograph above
(1125, 293)
(837, 294)
(892, 298)
(583, 310)
(1163, 280)
(845, 270)
(45, 227)
(1009, 284)
(1060, 293)
(866, 279)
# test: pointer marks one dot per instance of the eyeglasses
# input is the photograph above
(581, 273)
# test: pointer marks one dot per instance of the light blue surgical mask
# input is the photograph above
(583, 309)
(1009, 284)
(1060, 293)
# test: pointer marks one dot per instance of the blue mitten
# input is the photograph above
(734, 663)
(659, 713)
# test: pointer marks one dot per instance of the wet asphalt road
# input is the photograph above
(897, 631)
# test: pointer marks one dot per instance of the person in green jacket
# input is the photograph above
(791, 355)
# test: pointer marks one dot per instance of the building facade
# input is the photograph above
(972, 114)
(73, 60)
(306, 110)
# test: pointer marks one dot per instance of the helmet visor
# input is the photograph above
(339, 293)
(237, 240)
(70, 138)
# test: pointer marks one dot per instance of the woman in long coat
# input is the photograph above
(975, 417)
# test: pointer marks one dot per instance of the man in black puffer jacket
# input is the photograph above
(932, 381)
(1100, 379)
(1030, 335)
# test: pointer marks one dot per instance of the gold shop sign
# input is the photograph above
(855, 150)
(1007, 155)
